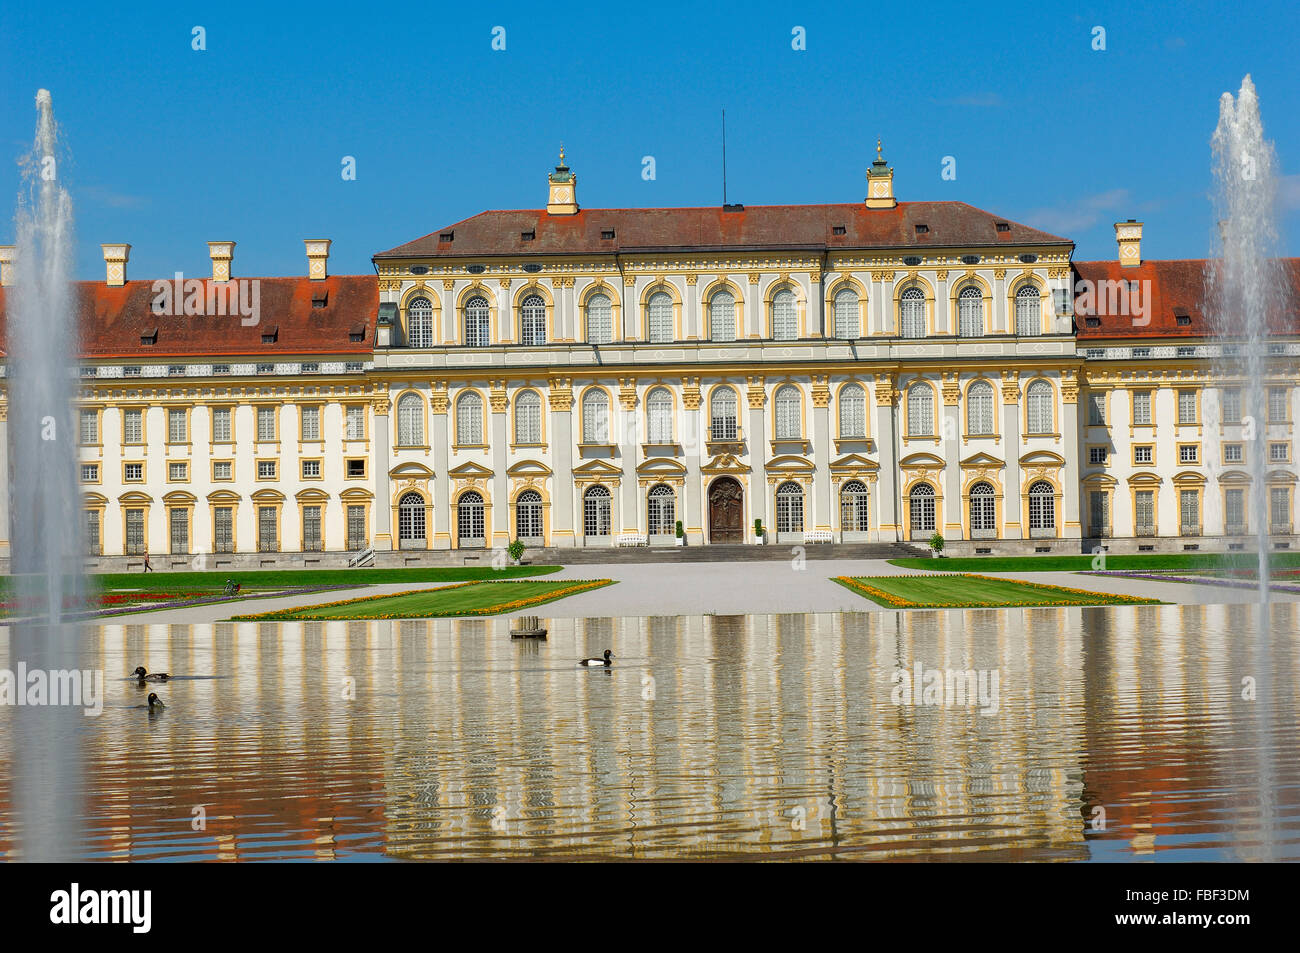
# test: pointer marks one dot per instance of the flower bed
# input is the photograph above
(1064, 595)
(313, 613)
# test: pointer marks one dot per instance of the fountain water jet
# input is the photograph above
(1246, 294)
(45, 501)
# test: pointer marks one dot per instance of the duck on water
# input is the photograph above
(143, 676)
(592, 662)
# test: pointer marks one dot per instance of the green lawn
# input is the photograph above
(272, 579)
(475, 598)
(1135, 561)
(971, 591)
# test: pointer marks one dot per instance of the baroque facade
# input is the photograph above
(868, 372)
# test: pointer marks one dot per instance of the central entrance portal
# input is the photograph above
(726, 511)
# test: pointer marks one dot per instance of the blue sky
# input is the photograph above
(171, 147)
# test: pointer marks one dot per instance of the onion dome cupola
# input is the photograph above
(563, 196)
(880, 183)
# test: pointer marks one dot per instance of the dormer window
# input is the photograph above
(357, 334)
(528, 236)
(447, 236)
(1183, 320)
(149, 337)
(607, 233)
(922, 229)
(1002, 227)
(837, 230)
(320, 299)
(271, 335)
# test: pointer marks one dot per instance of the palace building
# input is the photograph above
(871, 372)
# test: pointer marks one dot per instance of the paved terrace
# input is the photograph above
(727, 588)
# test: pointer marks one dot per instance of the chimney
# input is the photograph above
(221, 254)
(6, 265)
(1129, 237)
(318, 253)
(115, 259)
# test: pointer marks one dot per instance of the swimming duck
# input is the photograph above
(598, 661)
(155, 677)
(155, 703)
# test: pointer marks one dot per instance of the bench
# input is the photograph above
(818, 536)
(632, 539)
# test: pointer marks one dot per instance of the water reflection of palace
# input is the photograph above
(710, 736)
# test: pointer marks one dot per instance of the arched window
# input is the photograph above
(660, 307)
(410, 521)
(920, 410)
(982, 511)
(1042, 509)
(595, 511)
(419, 323)
(853, 507)
(970, 312)
(785, 319)
(921, 506)
(1029, 310)
(469, 419)
(600, 320)
(477, 322)
(469, 520)
(722, 316)
(789, 508)
(528, 517)
(659, 415)
(532, 321)
(410, 421)
(789, 413)
(853, 411)
(528, 418)
(848, 323)
(979, 409)
(911, 313)
(1038, 401)
(595, 416)
(661, 508)
(722, 414)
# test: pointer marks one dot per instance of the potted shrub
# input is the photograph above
(936, 546)
(758, 532)
(681, 534)
(516, 551)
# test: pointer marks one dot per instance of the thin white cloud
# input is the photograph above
(979, 100)
(1080, 214)
(100, 195)
(1288, 192)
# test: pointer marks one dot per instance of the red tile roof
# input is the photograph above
(1177, 286)
(113, 320)
(812, 227)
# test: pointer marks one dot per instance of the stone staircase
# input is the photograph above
(719, 553)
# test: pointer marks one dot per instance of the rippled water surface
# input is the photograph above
(1119, 734)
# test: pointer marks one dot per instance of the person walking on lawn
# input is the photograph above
(147, 567)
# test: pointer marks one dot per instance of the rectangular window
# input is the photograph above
(1279, 452)
(133, 472)
(311, 538)
(1189, 513)
(1141, 407)
(266, 469)
(93, 544)
(223, 470)
(1188, 453)
(310, 423)
(223, 529)
(180, 531)
(1097, 455)
(1096, 410)
(1143, 453)
(356, 527)
(1233, 453)
(266, 423)
(134, 531)
(311, 469)
(89, 426)
(177, 431)
(90, 473)
(268, 530)
(1187, 406)
(1232, 405)
(356, 422)
(133, 426)
(1234, 512)
(178, 472)
(1145, 512)
(1097, 513)
(1277, 400)
(1279, 509)
(222, 428)
(356, 469)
